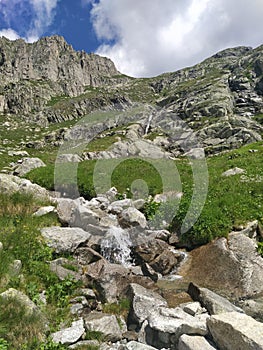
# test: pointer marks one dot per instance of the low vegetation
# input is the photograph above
(20, 236)
(230, 201)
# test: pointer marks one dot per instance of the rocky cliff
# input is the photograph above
(31, 74)
(220, 98)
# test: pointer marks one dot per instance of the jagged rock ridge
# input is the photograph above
(220, 98)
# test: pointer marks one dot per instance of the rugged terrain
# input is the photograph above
(127, 223)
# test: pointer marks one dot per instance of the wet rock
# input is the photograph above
(132, 217)
(166, 261)
(87, 256)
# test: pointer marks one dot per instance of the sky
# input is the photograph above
(143, 37)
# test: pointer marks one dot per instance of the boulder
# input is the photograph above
(232, 267)
(65, 208)
(112, 280)
(134, 345)
(165, 326)
(192, 342)
(132, 217)
(159, 255)
(193, 308)
(10, 184)
(106, 324)
(69, 335)
(253, 307)
(26, 165)
(83, 216)
(30, 307)
(150, 250)
(166, 261)
(85, 344)
(61, 268)
(68, 158)
(86, 255)
(64, 239)
(44, 210)
(234, 171)
(143, 302)
(214, 303)
(233, 330)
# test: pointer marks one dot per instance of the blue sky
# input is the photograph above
(142, 37)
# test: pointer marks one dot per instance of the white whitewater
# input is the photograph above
(115, 246)
(148, 124)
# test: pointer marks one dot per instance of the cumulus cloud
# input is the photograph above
(9, 34)
(145, 38)
(27, 18)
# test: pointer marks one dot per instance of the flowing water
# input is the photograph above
(115, 247)
(148, 124)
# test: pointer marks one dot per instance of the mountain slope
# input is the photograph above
(220, 98)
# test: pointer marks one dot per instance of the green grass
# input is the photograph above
(230, 200)
(119, 309)
(20, 235)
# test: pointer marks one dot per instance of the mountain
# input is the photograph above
(48, 82)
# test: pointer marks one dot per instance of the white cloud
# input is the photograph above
(146, 38)
(40, 13)
(9, 34)
(44, 15)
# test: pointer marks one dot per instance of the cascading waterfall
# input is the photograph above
(148, 124)
(115, 246)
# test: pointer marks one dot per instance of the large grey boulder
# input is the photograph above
(134, 345)
(10, 184)
(165, 326)
(143, 302)
(132, 217)
(65, 208)
(71, 334)
(237, 267)
(106, 324)
(158, 254)
(214, 303)
(194, 342)
(233, 330)
(31, 308)
(26, 165)
(64, 239)
(112, 280)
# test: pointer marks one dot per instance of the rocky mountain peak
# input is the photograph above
(52, 59)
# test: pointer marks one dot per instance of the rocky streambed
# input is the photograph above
(207, 298)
